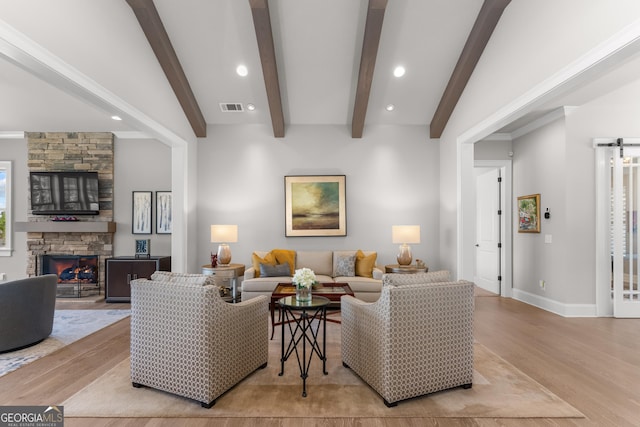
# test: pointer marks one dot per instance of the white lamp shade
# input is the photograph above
(405, 234)
(224, 233)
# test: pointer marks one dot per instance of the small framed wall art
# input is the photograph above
(163, 212)
(143, 248)
(141, 212)
(529, 214)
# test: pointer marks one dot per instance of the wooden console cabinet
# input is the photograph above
(120, 271)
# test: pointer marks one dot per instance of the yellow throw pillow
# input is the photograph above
(365, 263)
(256, 260)
(285, 255)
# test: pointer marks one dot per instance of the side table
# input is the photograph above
(226, 276)
(316, 309)
(332, 291)
(405, 269)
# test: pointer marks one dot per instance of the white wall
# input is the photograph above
(128, 50)
(15, 150)
(539, 167)
(140, 165)
(493, 150)
(558, 161)
(517, 58)
(391, 178)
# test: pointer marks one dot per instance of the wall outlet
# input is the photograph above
(542, 284)
(3, 276)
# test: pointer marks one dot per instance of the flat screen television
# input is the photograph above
(64, 193)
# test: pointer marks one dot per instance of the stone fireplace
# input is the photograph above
(91, 234)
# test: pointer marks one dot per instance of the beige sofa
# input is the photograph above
(328, 266)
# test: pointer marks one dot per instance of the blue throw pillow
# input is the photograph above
(278, 270)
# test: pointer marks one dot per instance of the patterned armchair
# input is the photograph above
(416, 339)
(186, 340)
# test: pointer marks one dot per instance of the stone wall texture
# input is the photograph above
(73, 151)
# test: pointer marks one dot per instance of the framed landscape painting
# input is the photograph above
(315, 205)
(529, 214)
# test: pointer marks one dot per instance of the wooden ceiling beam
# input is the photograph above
(154, 30)
(264, 36)
(370, 43)
(486, 22)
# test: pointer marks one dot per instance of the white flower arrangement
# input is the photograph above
(304, 278)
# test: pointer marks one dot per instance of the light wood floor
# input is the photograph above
(592, 363)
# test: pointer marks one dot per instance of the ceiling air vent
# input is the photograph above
(231, 107)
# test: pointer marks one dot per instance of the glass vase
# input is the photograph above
(303, 293)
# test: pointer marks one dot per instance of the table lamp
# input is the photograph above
(404, 234)
(224, 234)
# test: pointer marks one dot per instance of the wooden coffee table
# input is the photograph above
(332, 291)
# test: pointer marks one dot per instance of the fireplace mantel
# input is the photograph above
(67, 226)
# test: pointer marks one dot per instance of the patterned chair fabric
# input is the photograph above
(416, 339)
(186, 340)
(411, 279)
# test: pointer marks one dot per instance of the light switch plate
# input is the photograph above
(547, 238)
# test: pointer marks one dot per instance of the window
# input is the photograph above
(5, 208)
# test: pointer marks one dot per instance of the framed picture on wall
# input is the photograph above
(315, 205)
(141, 212)
(163, 212)
(529, 214)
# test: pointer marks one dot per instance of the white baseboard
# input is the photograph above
(559, 308)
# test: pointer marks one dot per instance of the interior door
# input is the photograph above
(624, 232)
(488, 231)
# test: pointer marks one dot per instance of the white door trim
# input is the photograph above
(604, 303)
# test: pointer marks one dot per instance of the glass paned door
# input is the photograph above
(625, 200)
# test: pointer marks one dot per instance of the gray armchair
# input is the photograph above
(27, 307)
(187, 341)
(416, 339)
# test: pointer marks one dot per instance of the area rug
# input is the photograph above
(499, 390)
(68, 326)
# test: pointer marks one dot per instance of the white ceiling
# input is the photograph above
(317, 43)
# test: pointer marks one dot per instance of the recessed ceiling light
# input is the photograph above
(390, 107)
(251, 107)
(399, 71)
(116, 117)
(242, 70)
